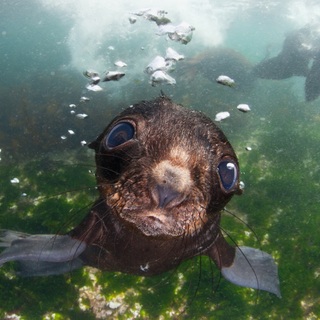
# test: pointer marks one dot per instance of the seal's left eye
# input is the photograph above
(120, 133)
(228, 173)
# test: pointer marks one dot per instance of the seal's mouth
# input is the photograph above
(159, 225)
(158, 216)
(172, 222)
(154, 223)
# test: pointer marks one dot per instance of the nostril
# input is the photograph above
(167, 196)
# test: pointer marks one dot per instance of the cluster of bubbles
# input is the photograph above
(158, 69)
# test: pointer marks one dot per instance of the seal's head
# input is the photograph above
(164, 168)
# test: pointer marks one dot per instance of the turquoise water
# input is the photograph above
(45, 47)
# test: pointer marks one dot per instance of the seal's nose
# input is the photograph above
(167, 196)
(171, 184)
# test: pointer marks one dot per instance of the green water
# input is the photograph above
(281, 173)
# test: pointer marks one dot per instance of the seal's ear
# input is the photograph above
(239, 192)
(94, 145)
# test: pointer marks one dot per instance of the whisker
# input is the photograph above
(76, 213)
(242, 221)
(85, 188)
(195, 292)
(235, 243)
(214, 288)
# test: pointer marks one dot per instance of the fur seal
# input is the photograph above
(299, 48)
(164, 173)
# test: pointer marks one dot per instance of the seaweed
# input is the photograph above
(280, 203)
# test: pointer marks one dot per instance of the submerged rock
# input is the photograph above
(219, 61)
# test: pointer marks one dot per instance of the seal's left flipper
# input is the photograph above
(255, 269)
(41, 254)
(246, 267)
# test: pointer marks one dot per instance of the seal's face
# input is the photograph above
(165, 173)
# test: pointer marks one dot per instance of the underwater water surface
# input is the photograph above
(46, 46)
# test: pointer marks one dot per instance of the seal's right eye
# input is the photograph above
(119, 134)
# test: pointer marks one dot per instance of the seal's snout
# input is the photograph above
(171, 184)
(166, 196)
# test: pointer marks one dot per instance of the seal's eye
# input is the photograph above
(120, 133)
(228, 173)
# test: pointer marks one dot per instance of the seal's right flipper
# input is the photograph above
(41, 254)
(44, 268)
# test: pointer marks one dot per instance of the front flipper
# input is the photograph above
(282, 67)
(41, 254)
(245, 266)
(312, 84)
